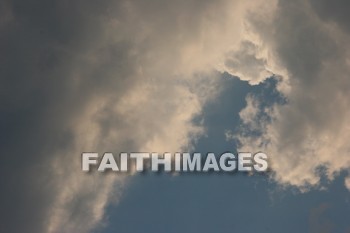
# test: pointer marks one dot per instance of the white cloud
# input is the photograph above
(312, 129)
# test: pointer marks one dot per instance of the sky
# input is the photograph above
(167, 76)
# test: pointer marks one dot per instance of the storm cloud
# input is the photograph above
(86, 76)
(79, 76)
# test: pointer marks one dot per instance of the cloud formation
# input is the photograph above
(131, 75)
(85, 76)
(310, 132)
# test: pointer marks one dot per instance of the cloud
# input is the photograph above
(132, 75)
(84, 76)
(310, 130)
(247, 64)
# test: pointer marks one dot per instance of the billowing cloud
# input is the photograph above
(85, 76)
(246, 63)
(310, 131)
(131, 75)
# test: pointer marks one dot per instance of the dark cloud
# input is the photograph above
(334, 11)
(47, 81)
(131, 75)
(88, 76)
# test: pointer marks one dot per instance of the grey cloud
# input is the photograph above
(85, 76)
(336, 11)
(42, 55)
(246, 63)
(310, 130)
(131, 75)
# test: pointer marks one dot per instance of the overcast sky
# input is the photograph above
(168, 76)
